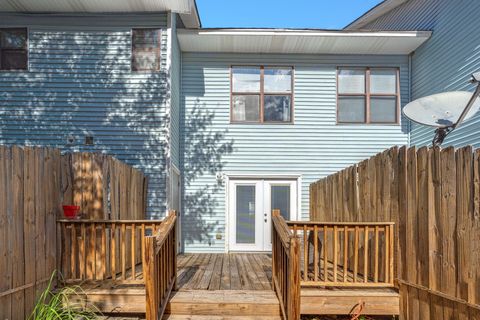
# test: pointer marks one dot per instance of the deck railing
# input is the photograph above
(337, 254)
(103, 249)
(285, 267)
(160, 267)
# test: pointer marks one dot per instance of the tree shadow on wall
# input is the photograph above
(203, 152)
(84, 86)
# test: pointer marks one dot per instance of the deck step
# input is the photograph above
(341, 301)
(190, 317)
(224, 304)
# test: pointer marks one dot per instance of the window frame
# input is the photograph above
(367, 95)
(261, 93)
(158, 50)
(26, 49)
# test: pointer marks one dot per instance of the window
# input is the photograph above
(368, 95)
(146, 50)
(262, 94)
(14, 49)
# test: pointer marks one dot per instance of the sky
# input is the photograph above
(321, 14)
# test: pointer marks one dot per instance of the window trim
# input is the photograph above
(27, 49)
(367, 95)
(158, 50)
(262, 93)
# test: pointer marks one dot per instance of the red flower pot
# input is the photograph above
(70, 212)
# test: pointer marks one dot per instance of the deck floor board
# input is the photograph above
(224, 271)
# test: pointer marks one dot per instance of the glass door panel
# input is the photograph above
(280, 199)
(245, 209)
(281, 195)
(245, 218)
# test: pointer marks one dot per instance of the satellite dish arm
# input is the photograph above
(469, 105)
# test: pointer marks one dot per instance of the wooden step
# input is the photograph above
(341, 301)
(120, 299)
(224, 304)
(186, 317)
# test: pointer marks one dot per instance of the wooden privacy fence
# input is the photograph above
(433, 196)
(34, 183)
(103, 249)
(29, 203)
(285, 267)
(160, 266)
(103, 187)
(342, 254)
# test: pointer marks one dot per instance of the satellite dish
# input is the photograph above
(441, 110)
(445, 111)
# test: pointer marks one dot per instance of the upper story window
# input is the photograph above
(368, 95)
(14, 49)
(261, 94)
(146, 49)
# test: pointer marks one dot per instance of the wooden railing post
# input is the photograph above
(285, 267)
(160, 267)
(174, 261)
(294, 280)
(151, 309)
(275, 213)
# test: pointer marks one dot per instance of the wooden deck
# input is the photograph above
(234, 286)
(213, 286)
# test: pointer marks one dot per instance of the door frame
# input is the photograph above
(255, 176)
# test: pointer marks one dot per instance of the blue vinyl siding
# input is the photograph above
(314, 146)
(446, 61)
(79, 83)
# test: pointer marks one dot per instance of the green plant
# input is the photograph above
(59, 305)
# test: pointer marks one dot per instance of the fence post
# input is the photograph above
(294, 280)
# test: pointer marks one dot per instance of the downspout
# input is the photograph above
(168, 111)
(410, 79)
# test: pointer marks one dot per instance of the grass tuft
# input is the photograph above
(58, 305)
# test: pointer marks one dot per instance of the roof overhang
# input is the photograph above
(186, 8)
(374, 13)
(301, 41)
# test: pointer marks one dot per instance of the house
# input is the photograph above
(227, 123)
(445, 62)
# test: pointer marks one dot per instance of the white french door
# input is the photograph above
(250, 205)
